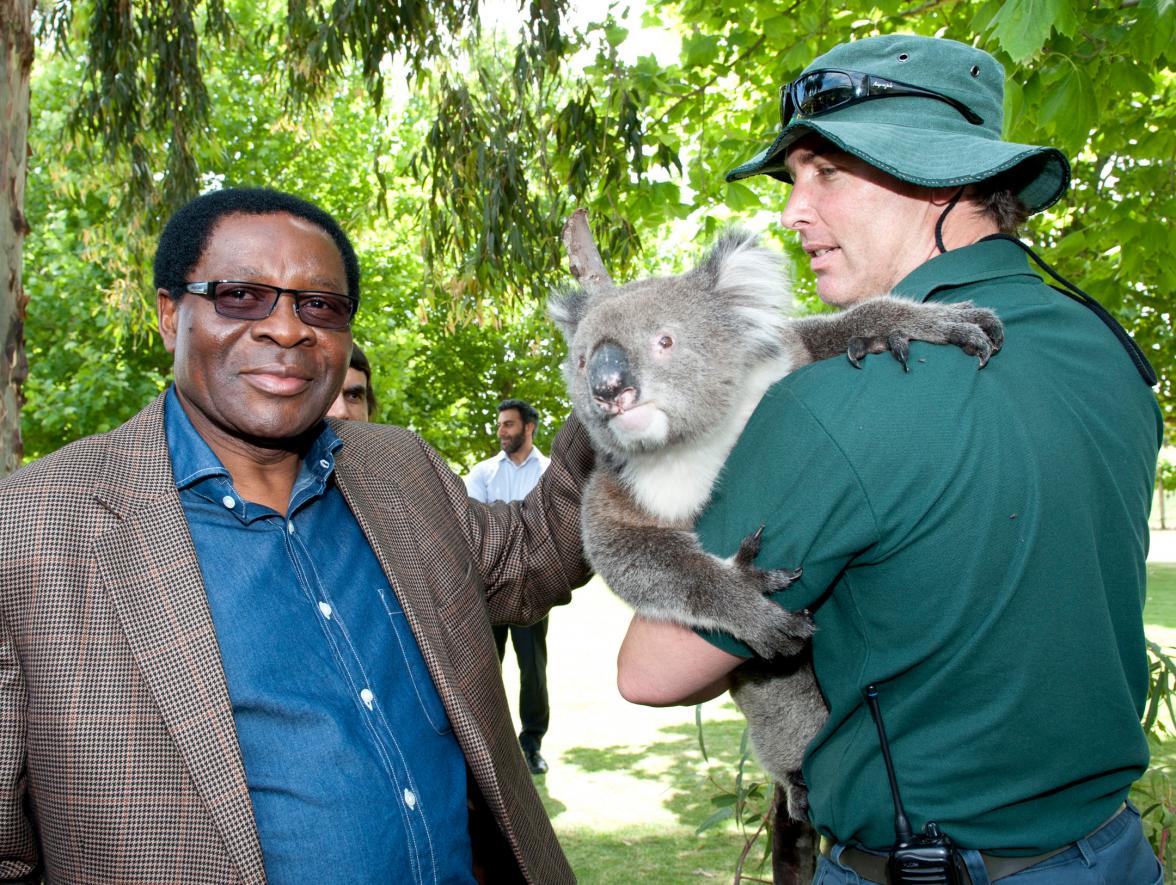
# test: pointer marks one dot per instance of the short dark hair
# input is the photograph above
(360, 361)
(186, 235)
(525, 409)
(995, 199)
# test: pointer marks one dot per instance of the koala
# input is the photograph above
(664, 373)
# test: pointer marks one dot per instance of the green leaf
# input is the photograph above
(1023, 26)
(1072, 107)
(740, 197)
(698, 728)
(715, 819)
(699, 50)
(1155, 31)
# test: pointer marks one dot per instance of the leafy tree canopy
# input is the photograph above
(455, 186)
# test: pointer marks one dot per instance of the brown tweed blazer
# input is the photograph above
(118, 755)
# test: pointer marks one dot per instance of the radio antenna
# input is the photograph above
(902, 826)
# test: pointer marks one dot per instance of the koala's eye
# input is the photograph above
(581, 362)
(665, 342)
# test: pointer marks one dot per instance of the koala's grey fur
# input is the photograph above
(664, 373)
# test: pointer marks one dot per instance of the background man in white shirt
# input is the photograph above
(509, 476)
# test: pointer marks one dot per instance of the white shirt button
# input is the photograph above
(367, 697)
(324, 463)
(290, 527)
(409, 798)
(228, 501)
(326, 610)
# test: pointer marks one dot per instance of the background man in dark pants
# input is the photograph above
(509, 476)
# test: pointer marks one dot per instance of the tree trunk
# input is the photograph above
(16, 44)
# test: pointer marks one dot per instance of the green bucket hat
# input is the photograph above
(950, 137)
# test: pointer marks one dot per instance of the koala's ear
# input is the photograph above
(566, 306)
(728, 252)
(741, 268)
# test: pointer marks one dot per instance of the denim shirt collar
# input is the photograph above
(197, 468)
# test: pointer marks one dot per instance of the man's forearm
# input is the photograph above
(662, 665)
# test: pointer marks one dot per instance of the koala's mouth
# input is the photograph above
(618, 404)
(636, 419)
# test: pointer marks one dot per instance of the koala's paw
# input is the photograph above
(977, 331)
(768, 629)
(772, 631)
(768, 580)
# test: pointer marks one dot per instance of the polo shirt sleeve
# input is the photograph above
(789, 474)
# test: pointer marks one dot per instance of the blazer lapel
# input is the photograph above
(392, 535)
(397, 532)
(149, 567)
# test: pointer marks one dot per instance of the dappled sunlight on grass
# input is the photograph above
(674, 766)
(628, 785)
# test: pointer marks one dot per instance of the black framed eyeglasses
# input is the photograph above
(238, 300)
(819, 92)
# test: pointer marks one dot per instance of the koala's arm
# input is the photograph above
(888, 323)
(664, 573)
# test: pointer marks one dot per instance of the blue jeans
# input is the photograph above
(1117, 854)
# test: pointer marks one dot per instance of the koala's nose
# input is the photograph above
(608, 371)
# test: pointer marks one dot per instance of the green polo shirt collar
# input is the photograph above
(980, 262)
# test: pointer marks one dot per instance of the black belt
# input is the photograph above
(873, 866)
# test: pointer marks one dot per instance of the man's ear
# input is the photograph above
(167, 315)
(941, 196)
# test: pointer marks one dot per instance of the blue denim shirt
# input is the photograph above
(354, 773)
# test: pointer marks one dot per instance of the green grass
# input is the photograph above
(1161, 595)
(653, 857)
(657, 854)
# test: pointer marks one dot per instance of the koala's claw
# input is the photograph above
(900, 347)
(975, 330)
(897, 343)
(785, 634)
(770, 580)
(855, 350)
(781, 578)
(749, 548)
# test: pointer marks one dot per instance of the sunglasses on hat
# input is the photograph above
(819, 92)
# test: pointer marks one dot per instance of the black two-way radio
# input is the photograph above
(929, 858)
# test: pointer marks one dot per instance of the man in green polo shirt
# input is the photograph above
(973, 543)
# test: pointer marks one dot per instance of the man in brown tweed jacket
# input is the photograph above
(130, 702)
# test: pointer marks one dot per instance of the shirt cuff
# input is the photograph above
(726, 642)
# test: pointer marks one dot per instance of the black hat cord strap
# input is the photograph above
(942, 218)
(1146, 372)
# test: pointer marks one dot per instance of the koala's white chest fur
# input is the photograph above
(674, 483)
